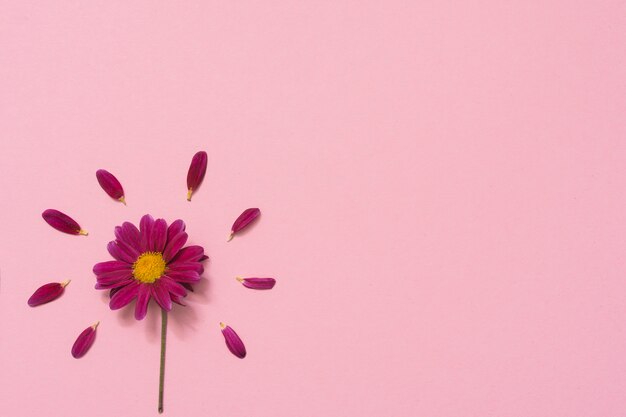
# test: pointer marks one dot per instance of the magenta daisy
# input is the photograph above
(150, 263)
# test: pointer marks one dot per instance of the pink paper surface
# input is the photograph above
(442, 187)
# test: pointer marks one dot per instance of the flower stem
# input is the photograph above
(162, 372)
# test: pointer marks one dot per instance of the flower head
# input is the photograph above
(150, 262)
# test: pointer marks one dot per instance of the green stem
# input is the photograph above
(162, 372)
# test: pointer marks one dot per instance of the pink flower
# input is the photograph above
(150, 263)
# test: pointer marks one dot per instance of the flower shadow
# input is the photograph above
(185, 318)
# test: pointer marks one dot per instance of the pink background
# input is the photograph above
(442, 186)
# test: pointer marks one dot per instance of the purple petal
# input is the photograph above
(62, 222)
(114, 275)
(110, 266)
(184, 276)
(244, 220)
(258, 283)
(159, 235)
(233, 341)
(145, 228)
(110, 185)
(175, 228)
(128, 249)
(117, 252)
(186, 266)
(84, 341)
(173, 287)
(161, 296)
(113, 291)
(124, 296)
(190, 253)
(178, 300)
(129, 233)
(47, 293)
(174, 245)
(110, 283)
(143, 298)
(196, 172)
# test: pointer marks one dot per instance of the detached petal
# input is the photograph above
(62, 222)
(258, 283)
(47, 293)
(233, 341)
(110, 185)
(196, 172)
(244, 220)
(84, 341)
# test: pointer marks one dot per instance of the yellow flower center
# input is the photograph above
(149, 267)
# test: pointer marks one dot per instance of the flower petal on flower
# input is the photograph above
(244, 220)
(128, 249)
(113, 281)
(186, 266)
(84, 341)
(124, 296)
(129, 233)
(161, 295)
(62, 222)
(175, 228)
(159, 235)
(47, 293)
(196, 172)
(233, 341)
(143, 298)
(110, 266)
(145, 229)
(178, 300)
(112, 291)
(115, 275)
(110, 185)
(110, 283)
(190, 253)
(116, 251)
(258, 283)
(174, 245)
(184, 276)
(173, 287)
